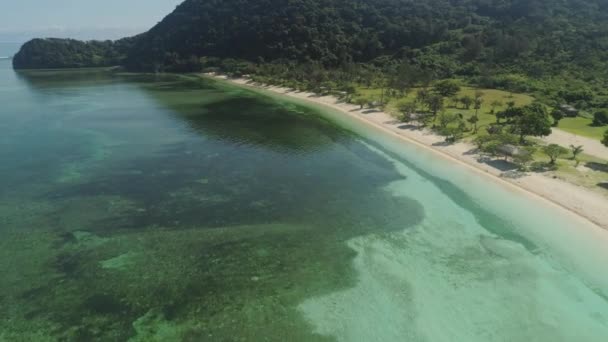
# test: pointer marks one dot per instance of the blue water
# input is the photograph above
(172, 208)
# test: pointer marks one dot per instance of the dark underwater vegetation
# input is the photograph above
(234, 209)
(175, 208)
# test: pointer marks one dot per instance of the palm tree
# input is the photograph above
(576, 150)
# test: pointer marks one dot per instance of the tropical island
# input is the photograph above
(522, 81)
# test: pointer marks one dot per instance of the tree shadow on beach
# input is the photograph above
(471, 152)
(513, 174)
(442, 144)
(601, 167)
(409, 127)
(499, 164)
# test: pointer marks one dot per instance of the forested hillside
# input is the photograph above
(70, 53)
(451, 36)
(554, 47)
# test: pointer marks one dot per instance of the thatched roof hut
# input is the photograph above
(512, 150)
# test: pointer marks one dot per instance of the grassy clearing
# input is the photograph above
(579, 125)
(582, 126)
(591, 173)
(485, 116)
(490, 95)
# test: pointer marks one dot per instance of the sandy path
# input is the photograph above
(583, 202)
(592, 147)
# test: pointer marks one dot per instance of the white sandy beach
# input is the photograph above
(592, 147)
(515, 294)
(584, 202)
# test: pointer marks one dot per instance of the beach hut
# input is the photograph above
(569, 110)
(512, 151)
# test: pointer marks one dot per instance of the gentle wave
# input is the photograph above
(5, 57)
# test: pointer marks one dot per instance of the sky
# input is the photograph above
(21, 20)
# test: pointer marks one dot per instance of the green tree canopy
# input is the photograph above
(534, 121)
(69, 53)
(447, 88)
(550, 47)
(554, 151)
(467, 101)
(557, 116)
(600, 118)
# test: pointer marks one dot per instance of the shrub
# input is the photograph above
(600, 118)
(554, 151)
(447, 88)
(557, 115)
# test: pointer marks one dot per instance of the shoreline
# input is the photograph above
(583, 203)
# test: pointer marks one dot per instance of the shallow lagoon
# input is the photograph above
(170, 208)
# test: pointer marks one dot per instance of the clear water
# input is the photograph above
(169, 208)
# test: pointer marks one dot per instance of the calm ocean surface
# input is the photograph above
(171, 208)
(9, 49)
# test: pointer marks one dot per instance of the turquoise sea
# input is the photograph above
(172, 208)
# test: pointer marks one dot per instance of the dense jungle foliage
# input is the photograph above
(557, 49)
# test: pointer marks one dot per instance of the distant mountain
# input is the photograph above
(69, 53)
